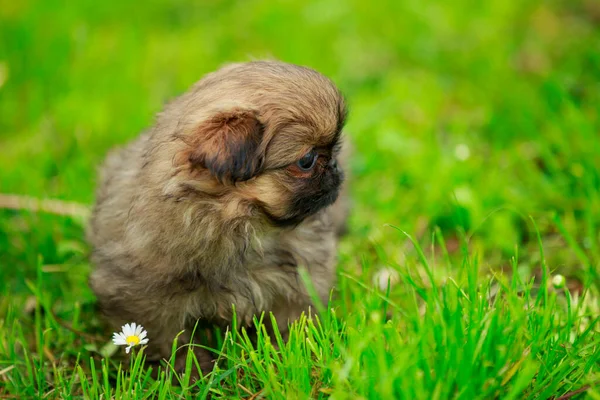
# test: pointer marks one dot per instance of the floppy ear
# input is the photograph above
(228, 145)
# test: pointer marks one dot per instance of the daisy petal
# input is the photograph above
(119, 342)
(143, 341)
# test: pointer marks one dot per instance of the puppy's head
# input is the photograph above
(265, 135)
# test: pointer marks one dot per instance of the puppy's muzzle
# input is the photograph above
(333, 164)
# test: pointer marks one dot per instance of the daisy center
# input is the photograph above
(132, 340)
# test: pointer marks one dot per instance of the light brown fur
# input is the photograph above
(185, 222)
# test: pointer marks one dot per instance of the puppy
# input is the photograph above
(233, 189)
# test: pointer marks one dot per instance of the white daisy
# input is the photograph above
(384, 277)
(130, 335)
(558, 281)
(462, 152)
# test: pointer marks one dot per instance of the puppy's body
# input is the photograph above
(213, 206)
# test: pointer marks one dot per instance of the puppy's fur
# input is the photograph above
(210, 209)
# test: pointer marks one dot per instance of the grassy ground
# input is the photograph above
(478, 132)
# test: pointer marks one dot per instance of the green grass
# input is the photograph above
(472, 314)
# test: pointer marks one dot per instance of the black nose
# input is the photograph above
(333, 164)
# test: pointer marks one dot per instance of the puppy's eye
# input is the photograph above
(308, 161)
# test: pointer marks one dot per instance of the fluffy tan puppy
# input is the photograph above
(220, 203)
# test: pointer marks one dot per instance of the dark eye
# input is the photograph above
(308, 161)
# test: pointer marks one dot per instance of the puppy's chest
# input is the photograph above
(289, 250)
(269, 277)
(275, 269)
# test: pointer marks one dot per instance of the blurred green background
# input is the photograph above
(466, 115)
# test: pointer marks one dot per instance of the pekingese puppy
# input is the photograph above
(235, 187)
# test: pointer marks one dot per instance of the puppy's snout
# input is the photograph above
(335, 176)
(333, 164)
